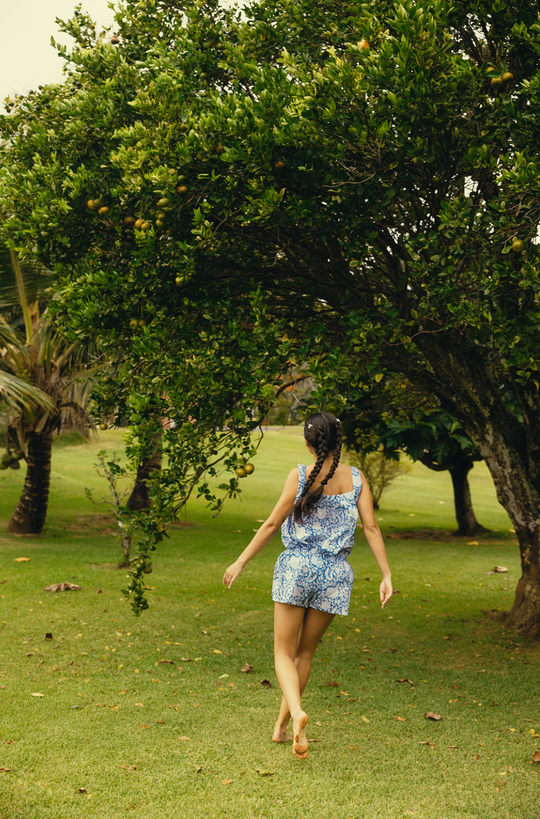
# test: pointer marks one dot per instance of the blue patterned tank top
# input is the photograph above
(330, 524)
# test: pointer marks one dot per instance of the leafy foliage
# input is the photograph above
(225, 198)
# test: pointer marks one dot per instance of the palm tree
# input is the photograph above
(49, 381)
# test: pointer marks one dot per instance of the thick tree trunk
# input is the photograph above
(524, 617)
(465, 517)
(31, 512)
(140, 496)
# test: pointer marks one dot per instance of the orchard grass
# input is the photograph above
(104, 740)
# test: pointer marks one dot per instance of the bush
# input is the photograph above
(379, 472)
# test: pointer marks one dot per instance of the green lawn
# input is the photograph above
(114, 718)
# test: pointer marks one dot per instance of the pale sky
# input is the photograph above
(27, 58)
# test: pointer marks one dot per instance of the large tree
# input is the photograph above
(225, 197)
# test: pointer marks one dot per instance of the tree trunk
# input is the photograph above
(140, 496)
(31, 512)
(465, 517)
(524, 616)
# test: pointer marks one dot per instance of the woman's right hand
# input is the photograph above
(232, 573)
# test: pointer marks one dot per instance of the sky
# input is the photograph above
(27, 58)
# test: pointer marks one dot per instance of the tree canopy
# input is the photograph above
(227, 196)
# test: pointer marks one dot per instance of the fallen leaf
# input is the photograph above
(318, 723)
(315, 740)
(139, 704)
(48, 635)
(405, 680)
(37, 694)
(500, 569)
(266, 684)
(60, 587)
(184, 739)
(365, 718)
(453, 746)
(145, 726)
(476, 756)
(3, 769)
(536, 756)
(473, 543)
(261, 773)
(198, 768)
(226, 781)
(160, 722)
(198, 614)
(224, 676)
(82, 790)
(446, 638)
(425, 742)
(22, 560)
(352, 747)
(132, 768)
(246, 668)
(431, 715)
(217, 651)
(332, 683)
(168, 662)
(345, 694)
(113, 707)
(400, 719)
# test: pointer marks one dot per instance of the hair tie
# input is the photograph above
(309, 426)
(338, 420)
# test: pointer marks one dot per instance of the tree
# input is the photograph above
(395, 419)
(224, 197)
(49, 369)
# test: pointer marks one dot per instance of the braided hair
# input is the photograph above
(322, 431)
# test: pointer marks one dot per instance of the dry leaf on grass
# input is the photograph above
(144, 726)
(331, 683)
(431, 715)
(48, 635)
(476, 756)
(426, 742)
(167, 662)
(315, 740)
(160, 722)
(37, 694)
(536, 756)
(352, 747)
(500, 569)
(217, 651)
(451, 747)
(3, 769)
(400, 719)
(365, 718)
(60, 587)
(184, 739)
(22, 560)
(405, 680)
(226, 781)
(262, 773)
(246, 668)
(345, 693)
(266, 684)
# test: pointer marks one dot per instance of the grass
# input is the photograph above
(104, 740)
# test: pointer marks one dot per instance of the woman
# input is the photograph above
(317, 512)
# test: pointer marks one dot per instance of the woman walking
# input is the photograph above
(317, 513)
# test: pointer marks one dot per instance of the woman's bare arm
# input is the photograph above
(272, 524)
(375, 541)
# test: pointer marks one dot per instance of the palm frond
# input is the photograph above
(16, 393)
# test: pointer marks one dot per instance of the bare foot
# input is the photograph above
(280, 733)
(300, 744)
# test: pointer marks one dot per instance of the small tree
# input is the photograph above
(380, 472)
(113, 474)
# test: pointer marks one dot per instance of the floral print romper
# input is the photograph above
(313, 570)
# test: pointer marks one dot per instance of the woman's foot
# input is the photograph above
(300, 743)
(280, 732)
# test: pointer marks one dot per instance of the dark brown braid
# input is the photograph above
(322, 431)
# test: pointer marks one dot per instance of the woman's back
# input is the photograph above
(340, 482)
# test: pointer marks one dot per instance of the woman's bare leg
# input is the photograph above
(297, 633)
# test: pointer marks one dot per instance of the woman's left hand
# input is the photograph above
(385, 591)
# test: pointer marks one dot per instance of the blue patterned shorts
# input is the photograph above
(309, 578)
